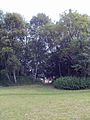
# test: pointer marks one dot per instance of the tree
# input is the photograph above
(13, 42)
(36, 44)
(67, 40)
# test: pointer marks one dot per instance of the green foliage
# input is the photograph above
(21, 80)
(45, 47)
(24, 80)
(72, 83)
(13, 62)
(14, 20)
(3, 78)
(4, 82)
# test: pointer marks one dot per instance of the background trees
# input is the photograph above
(67, 41)
(43, 48)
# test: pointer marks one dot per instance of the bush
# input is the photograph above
(21, 80)
(3, 80)
(24, 80)
(72, 83)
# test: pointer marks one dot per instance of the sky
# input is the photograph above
(52, 8)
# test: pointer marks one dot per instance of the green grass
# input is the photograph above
(37, 102)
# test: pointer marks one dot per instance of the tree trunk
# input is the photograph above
(14, 76)
(36, 68)
(8, 77)
(60, 74)
(68, 69)
(35, 75)
(7, 74)
(86, 71)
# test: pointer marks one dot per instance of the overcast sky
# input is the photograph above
(52, 8)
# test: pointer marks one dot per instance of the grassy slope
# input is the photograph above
(43, 103)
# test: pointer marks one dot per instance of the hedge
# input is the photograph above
(72, 83)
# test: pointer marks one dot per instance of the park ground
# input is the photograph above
(38, 102)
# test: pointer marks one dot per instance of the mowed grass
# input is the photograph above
(38, 102)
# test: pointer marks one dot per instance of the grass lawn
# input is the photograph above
(37, 102)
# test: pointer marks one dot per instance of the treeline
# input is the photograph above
(42, 48)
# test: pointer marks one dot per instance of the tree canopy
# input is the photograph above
(42, 48)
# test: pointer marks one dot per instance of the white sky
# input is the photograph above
(52, 8)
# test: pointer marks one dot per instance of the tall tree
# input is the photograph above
(14, 40)
(36, 43)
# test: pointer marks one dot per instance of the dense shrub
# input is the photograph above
(24, 80)
(72, 83)
(3, 80)
(21, 80)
